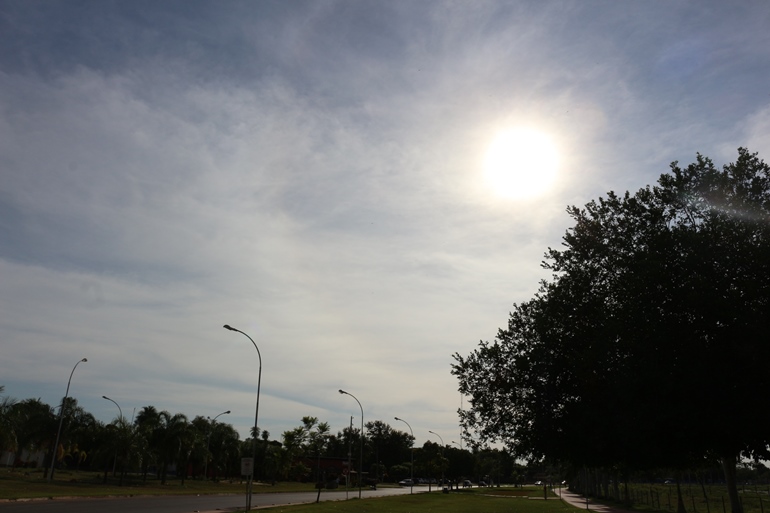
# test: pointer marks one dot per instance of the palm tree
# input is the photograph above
(167, 440)
(317, 440)
(84, 433)
(125, 445)
(73, 416)
(146, 422)
(190, 440)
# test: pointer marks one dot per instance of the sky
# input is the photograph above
(316, 174)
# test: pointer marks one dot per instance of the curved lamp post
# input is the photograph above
(256, 415)
(61, 420)
(116, 404)
(208, 443)
(361, 456)
(411, 488)
(442, 455)
(115, 463)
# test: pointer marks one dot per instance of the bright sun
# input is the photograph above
(521, 163)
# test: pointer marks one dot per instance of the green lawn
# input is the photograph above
(477, 501)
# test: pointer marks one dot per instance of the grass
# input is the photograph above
(657, 498)
(477, 501)
(33, 485)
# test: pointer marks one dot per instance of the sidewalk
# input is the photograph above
(579, 501)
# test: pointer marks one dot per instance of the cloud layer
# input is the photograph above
(311, 174)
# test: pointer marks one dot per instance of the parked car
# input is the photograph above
(406, 482)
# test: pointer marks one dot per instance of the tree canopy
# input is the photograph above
(647, 346)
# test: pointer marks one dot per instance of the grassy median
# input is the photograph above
(476, 501)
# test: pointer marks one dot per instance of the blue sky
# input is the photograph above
(312, 173)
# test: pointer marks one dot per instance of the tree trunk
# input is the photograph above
(702, 480)
(626, 495)
(679, 498)
(728, 464)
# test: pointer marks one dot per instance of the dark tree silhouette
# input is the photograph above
(646, 348)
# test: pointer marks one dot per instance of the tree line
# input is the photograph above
(648, 346)
(156, 442)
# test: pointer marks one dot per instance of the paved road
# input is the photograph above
(185, 503)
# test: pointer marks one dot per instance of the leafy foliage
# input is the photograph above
(647, 347)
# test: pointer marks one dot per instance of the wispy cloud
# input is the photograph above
(311, 173)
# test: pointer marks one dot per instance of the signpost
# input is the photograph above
(247, 466)
(247, 469)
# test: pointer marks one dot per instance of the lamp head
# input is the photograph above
(342, 391)
(228, 327)
(396, 418)
(228, 411)
(84, 360)
(105, 397)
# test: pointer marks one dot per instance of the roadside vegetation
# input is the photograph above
(158, 446)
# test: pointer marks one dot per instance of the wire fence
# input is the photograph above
(697, 499)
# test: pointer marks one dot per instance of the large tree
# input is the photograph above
(387, 446)
(646, 347)
(35, 425)
(224, 446)
(308, 440)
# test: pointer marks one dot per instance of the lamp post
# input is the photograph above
(114, 463)
(116, 404)
(411, 488)
(61, 420)
(361, 456)
(442, 455)
(256, 416)
(208, 443)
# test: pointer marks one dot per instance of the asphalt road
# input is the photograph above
(186, 503)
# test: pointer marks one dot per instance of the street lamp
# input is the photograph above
(115, 462)
(116, 404)
(411, 488)
(361, 457)
(256, 415)
(61, 420)
(442, 455)
(208, 443)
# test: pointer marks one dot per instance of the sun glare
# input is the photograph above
(521, 164)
